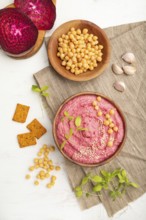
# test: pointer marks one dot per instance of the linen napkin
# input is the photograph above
(123, 38)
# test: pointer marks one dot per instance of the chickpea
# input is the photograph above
(98, 98)
(36, 183)
(106, 122)
(85, 31)
(110, 131)
(110, 144)
(99, 113)
(112, 112)
(27, 176)
(115, 128)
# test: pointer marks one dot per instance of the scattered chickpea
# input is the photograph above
(96, 107)
(99, 113)
(39, 154)
(36, 183)
(94, 103)
(111, 125)
(27, 176)
(53, 178)
(47, 175)
(31, 168)
(110, 144)
(106, 122)
(112, 112)
(57, 168)
(52, 167)
(98, 98)
(46, 164)
(110, 120)
(52, 148)
(107, 116)
(49, 185)
(110, 131)
(36, 160)
(115, 128)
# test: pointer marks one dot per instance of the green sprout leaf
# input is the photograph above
(97, 179)
(97, 188)
(121, 179)
(104, 173)
(78, 194)
(135, 185)
(63, 144)
(35, 88)
(84, 180)
(87, 195)
(78, 188)
(124, 174)
(78, 121)
(68, 136)
(82, 129)
(45, 94)
(66, 114)
(42, 90)
(105, 181)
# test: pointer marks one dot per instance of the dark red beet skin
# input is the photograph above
(17, 32)
(41, 12)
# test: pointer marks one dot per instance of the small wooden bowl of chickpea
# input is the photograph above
(79, 50)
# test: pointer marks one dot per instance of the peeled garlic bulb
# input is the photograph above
(129, 58)
(117, 69)
(119, 86)
(129, 70)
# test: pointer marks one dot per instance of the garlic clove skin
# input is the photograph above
(129, 58)
(119, 86)
(117, 69)
(129, 70)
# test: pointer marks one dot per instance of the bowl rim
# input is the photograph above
(121, 145)
(76, 77)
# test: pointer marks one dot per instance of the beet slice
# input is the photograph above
(41, 12)
(18, 34)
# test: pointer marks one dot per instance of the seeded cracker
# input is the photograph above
(36, 128)
(26, 139)
(21, 113)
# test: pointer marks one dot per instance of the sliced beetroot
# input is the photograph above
(17, 32)
(41, 12)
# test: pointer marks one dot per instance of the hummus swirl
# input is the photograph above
(89, 144)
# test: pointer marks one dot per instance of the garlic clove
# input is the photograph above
(129, 70)
(119, 86)
(117, 69)
(129, 58)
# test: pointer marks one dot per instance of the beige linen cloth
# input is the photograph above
(124, 38)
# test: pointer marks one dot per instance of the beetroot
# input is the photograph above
(41, 12)
(17, 32)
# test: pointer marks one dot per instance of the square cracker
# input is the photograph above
(36, 128)
(26, 139)
(21, 113)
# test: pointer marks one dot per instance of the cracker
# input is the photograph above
(26, 139)
(36, 128)
(21, 113)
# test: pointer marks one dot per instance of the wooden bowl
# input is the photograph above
(56, 61)
(120, 146)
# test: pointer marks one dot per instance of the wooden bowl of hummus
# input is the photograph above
(89, 129)
(75, 70)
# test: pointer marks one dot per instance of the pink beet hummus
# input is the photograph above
(88, 143)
